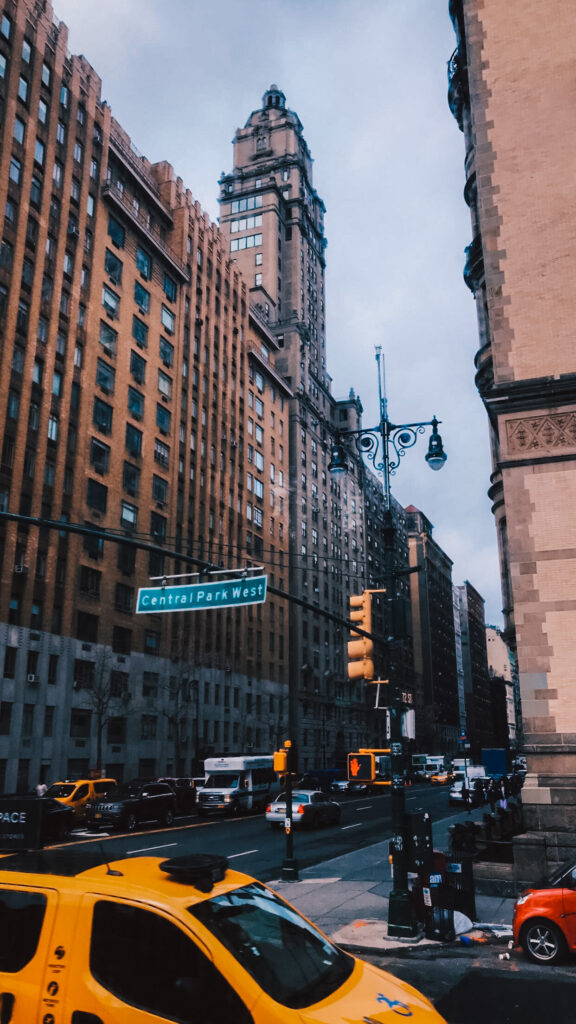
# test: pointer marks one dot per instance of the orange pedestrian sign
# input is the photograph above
(361, 768)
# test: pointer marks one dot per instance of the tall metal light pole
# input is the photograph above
(385, 445)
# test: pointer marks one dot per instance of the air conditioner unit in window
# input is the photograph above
(32, 677)
(21, 568)
(142, 310)
(73, 232)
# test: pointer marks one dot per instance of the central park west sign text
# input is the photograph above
(193, 596)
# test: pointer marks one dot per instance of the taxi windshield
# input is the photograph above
(224, 781)
(291, 961)
(61, 789)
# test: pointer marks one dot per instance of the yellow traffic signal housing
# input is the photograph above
(361, 768)
(361, 648)
(280, 760)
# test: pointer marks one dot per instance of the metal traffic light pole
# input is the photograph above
(384, 445)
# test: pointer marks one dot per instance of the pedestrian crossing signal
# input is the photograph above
(361, 768)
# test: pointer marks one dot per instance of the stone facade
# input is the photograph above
(512, 90)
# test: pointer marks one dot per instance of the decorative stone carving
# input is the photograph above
(542, 433)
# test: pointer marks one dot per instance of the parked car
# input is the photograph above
(139, 938)
(131, 804)
(339, 786)
(310, 808)
(545, 917)
(76, 794)
(184, 791)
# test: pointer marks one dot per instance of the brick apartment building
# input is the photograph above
(511, 88)
(164, 394)
(130, 363)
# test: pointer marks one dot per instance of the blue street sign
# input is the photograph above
(193, 596)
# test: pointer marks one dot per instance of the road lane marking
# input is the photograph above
(146, 849)
(357, 825)
(245, 854)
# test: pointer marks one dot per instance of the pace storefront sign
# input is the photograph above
(194, 596)
(20, 823)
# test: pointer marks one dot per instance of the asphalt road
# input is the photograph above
(253, 847)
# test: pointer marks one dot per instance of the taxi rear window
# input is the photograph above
(21, 917)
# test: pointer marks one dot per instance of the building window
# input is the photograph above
(128, 516)
(141, 297)
(102, 416)
(99, 456)
(116, 232)
(15, 172)
(170, 289)
(23, 89)
(105, 377)
(121, 640)
(135, 403)
(46, 75)
(39, 152)
(123, 598)
(80, 722)
(166, 352)
(53, 428)
(96, 495)
(90, 580)
(168, 320)
(248, 242)
(158, 526)
(111, 302)
(159, 489)
(148, 727)
(164, 384)
(144, 263)
(257, 280)
(137, 367)
(133, 440)
(131, 479)
(163, 418)
(139, 332)
(161, 452)
(87, 627)
(108, 338)
(113, 267)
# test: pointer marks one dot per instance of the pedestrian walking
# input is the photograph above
(41, 789)
(493, 795)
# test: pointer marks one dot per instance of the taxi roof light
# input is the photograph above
(202, 870)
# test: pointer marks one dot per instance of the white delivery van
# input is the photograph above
(234, 785)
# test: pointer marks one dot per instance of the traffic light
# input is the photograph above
(280, 761)
(361, 768)
(361, 649)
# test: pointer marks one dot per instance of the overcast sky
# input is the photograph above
(367, 79)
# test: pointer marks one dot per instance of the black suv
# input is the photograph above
(132, 803)
(184, 791)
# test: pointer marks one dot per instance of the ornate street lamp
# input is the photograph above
(385, 446)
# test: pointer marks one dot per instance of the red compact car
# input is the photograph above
(545, 917)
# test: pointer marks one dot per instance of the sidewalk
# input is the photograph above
(347, 898)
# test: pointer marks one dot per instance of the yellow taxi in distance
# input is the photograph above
(145, 940)
(77, 794)
(442, 779)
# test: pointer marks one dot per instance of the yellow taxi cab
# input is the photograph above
(443, 778)
(147, 940)
(77, 794)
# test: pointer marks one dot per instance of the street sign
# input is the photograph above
(194, 596)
